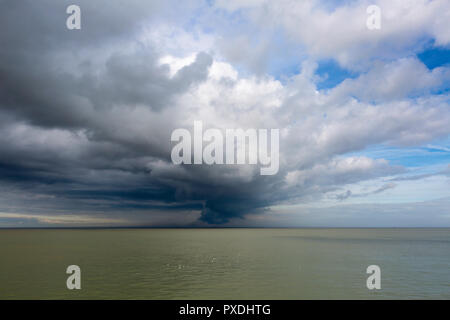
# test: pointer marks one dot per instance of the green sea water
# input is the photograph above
(225, 263)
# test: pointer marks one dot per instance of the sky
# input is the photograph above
(86, 115)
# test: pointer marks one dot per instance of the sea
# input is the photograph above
(225, 263)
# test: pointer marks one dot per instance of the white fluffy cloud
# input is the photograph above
(341, 32)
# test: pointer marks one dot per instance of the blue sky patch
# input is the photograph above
(332, 74)
(435, 57)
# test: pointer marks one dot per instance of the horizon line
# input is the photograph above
(184, 227)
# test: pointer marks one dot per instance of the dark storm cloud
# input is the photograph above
(39, 90)
(33, 88)
(79, 148)
(41, 25)
(133, 80)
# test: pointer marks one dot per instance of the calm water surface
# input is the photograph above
(225, 263)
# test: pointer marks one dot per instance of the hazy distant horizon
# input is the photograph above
(217, 227)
